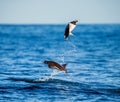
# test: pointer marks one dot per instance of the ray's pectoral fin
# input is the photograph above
(65, 36)
(71, 34)
(64, 66)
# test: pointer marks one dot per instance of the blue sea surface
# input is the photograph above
(92, 56)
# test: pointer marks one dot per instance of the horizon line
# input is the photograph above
(56, 23)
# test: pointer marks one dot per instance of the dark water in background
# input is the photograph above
(92, 57)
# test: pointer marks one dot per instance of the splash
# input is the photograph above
(73, 48)
(46, 78)
(72, 45)
(62, 58)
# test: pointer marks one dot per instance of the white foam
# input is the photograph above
(46, 78)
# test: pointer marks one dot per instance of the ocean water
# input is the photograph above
(92, 56)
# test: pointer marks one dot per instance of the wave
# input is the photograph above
(57, 84)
